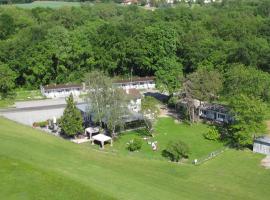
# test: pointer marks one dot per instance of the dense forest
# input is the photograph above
(42, 45)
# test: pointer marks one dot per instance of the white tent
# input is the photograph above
(102, 138)
(91, 130)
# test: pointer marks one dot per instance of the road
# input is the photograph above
(29, 112)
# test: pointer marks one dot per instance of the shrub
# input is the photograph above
(71, 122)
(212, 134)
(40, 124)
(135, 144)
(176, 150)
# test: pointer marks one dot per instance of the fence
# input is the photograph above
(208, 157)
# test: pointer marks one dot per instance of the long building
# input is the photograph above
(64, 90)
(61, 90)
(139, 83)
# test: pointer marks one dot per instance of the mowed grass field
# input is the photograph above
(166, 130)
(21, 95)
(34, 165)
(47, 4)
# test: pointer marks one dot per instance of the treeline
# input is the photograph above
(43, 45)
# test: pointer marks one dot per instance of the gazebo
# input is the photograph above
(91, 130)
(102, 138)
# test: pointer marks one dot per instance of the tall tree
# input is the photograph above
(7, 26)
(106, 101)
(7, 83)
(169, 75)
(117, 108)
(98, 93)
(249, 115)
(248, 81)
(71, 122)
(202, 85)
(150, 111)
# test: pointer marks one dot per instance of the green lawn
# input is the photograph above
(6, 103)
(21, 95)
(167, 130)
(35, 165)
(48, 4)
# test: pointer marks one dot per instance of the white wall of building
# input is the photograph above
(139, 86)
(61, 93)
(135, 105)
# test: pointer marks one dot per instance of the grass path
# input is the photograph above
(35, 165)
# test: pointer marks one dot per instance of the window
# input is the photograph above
(204, 112)
(222, 116)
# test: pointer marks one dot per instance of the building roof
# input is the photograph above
(264, 139)
(84, 107)
(136, 79)
(130, 1)
(133, 93)
(61, 86)
(214, 107)
(130, 117)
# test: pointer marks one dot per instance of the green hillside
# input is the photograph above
(34, 165)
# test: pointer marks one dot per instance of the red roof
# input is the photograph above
(61, 86)
(130, 1)
(133, 93)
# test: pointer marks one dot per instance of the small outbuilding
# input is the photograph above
(262, 145)
(215, 112)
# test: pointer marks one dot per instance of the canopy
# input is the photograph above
(91, 130)
(102, 138)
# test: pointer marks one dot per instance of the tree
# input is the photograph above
(249, 115)
(176, 150)
(150, 111)
(7, 26)
(248, 81)
(202, 85)
(71, 122)
(212, 134)
(7, 83)
(117, 108)
(169, 75)
(105, 101)
(98, 93)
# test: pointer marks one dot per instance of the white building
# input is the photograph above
(135, 100)
(64, 90)
(136, 83)
(61, 90)
(262, 145)
(215, 112)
